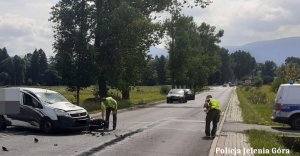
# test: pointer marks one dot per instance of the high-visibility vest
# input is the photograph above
(110, 102)
(214, 104)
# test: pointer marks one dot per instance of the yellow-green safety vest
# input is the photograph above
(110, 102)
(214, 104)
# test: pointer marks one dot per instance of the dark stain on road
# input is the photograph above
(118, 139)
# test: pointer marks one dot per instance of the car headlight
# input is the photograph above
(60, 112)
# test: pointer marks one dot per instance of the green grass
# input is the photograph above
(138, 96)
(259, 139)
(260, 113)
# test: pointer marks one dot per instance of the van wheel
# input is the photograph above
(47, 126)
(2, 123)
(295, 122)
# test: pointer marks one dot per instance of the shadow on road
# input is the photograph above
(207, 138)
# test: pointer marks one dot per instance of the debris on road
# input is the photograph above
(36, 140)
(4, 149)
(55, 144)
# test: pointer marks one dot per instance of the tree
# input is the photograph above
(268, 71)
(27, 69)
(161, 67)
(72, 36)
(244, 64)
(149, 75)
(7, 66)
(3, 54)
(122, 31)
(292, 60)
(43, 63)
(134, 42)
(226, 67)
(51, 77)
(110, 41)
(193, 53)
(4, 79)
(38, 66)
(35, 70)
(18, 74)
(291, 72)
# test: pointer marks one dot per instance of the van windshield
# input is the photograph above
(51, 98)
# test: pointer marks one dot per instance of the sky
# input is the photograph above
(24, 24)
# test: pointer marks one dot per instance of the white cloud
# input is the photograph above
(244, 20)
(24, 24)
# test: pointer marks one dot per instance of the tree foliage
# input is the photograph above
(193, 53)
(225, 72)
(72, 36)
(290, 60)
(268, 71)
(38, 66)
(161, 69)
(244, 64)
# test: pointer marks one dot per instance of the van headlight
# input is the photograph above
(60, 112)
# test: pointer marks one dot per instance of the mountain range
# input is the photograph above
(275, 50)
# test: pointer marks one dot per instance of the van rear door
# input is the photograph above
(30, 112)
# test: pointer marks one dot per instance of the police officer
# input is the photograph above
(109, 105)
(213, 115)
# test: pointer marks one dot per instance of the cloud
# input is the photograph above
(22, 35)
(24, 26)
(245, 21)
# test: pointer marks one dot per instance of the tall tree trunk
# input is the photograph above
(102, 87)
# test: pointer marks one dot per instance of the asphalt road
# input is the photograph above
(160, 130)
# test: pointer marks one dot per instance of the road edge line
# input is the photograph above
(215, 141)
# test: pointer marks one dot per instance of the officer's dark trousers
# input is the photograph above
(212, 116)
(108, 110)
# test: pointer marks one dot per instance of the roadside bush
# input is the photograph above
(165, 89)
(247, 88)
(95, 91)
(91, 104)
(276, 83)
(258, 98)
(258, 82)
(267, 79)
(124, 104)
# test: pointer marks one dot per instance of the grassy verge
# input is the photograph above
(257, 105)
(138, 96)
(272, 142)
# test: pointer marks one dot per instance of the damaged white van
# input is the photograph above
(40, 108)
(287, 105)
